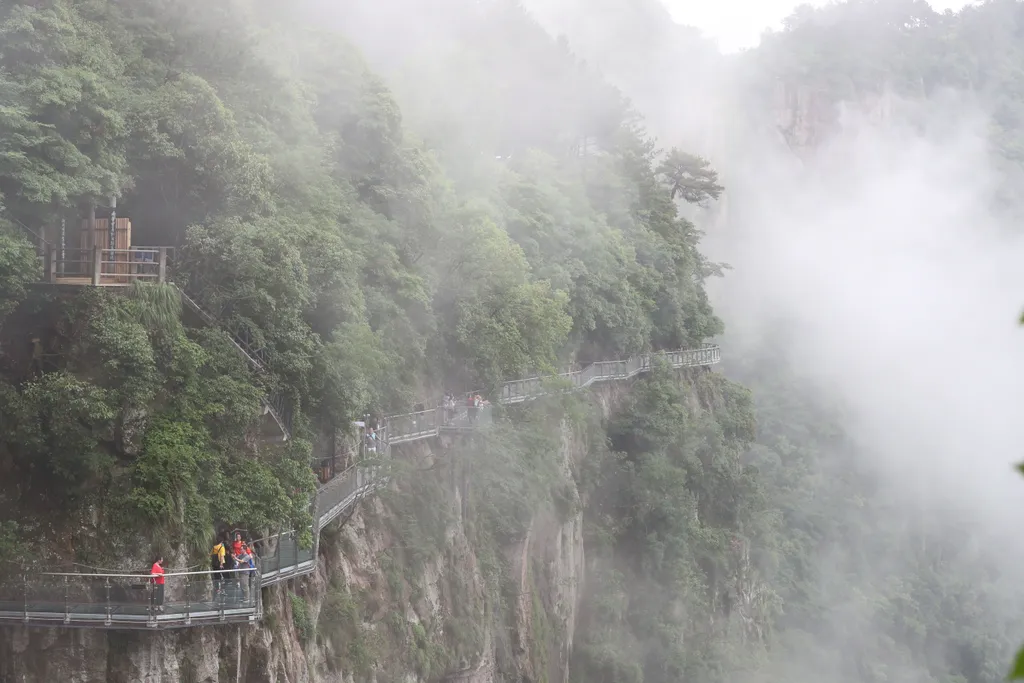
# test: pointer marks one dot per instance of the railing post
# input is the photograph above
(162, 266)
(295, 549)
(63, 244)
(258, 587)
(67, 605)
(316, 538)
(188, 600)
(277, 552)
(51, 265)
(362, 438)
(97, 265)
(149, 606)
(109, 613)
(24, 579)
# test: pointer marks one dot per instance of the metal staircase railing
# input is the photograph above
(275, 404)
(39, 242)
(251, 357)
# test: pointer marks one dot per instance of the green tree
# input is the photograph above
(690, 177)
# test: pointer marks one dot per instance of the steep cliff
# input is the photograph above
(807, 116)
(417, 585)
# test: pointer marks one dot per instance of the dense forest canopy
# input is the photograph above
(306, 213)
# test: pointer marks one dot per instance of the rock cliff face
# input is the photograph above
(807, 116)
(403, 592)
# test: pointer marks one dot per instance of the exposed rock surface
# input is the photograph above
(806, 116)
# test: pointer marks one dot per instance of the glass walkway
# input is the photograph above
(131, 601)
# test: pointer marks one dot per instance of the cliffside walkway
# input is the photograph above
(126, 600)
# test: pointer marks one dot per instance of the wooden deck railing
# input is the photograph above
(100, 267)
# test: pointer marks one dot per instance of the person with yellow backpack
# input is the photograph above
(217, 557)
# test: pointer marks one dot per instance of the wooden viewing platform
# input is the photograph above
(102, 256)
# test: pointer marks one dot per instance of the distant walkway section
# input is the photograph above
(129, 601)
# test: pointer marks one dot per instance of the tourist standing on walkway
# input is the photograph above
(238, 553)
(230, 563)
(246, 561)
(158, 583)
(217, 556)
(449, 407)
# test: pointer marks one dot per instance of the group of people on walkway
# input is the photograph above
(226, 557)
(232, 554)
(450, 406)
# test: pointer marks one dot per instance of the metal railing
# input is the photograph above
(341, 493)
(130, 601)
(283, 557)
(255, 360)
(282, 554)
(203, 297)
(427, 424)
(529, 388)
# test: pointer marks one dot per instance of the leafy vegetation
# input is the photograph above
(674, 513)
(301, 618)
(367, 265)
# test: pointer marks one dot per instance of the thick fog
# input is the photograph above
(900, 290)
(877, 252)
(878, 255)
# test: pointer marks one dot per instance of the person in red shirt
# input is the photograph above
(158, 583)
(236, 547)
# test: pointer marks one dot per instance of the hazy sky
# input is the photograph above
(738, 24)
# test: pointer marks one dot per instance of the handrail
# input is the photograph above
(287, 560)
(195, 288)
(168, 575)
(530, 388)
(101, 266)
(41, 242)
